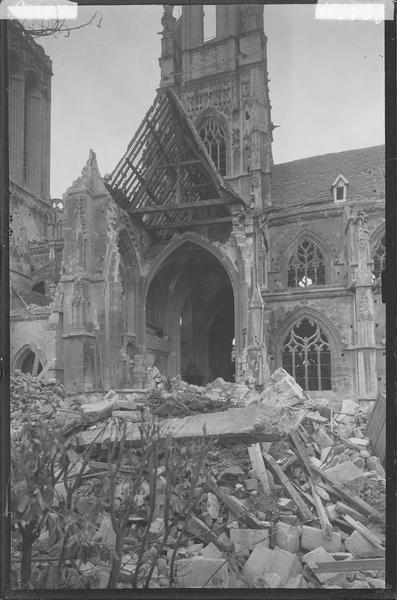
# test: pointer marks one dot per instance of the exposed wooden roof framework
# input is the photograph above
(166, 179)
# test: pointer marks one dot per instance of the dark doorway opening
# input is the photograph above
(190, 317)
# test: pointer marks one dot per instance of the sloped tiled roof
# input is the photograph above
(310, 179)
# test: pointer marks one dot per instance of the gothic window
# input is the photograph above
(379, 257)
(339, 189)
(306, 266)
(307, 357)
(214, 138)
(29, 363)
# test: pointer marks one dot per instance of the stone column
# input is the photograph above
(364, 313)
(115, 340)
(33, 143)
(16, 126)
(45, 145)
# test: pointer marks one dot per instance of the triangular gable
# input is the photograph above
(166, 178)
(340, 180)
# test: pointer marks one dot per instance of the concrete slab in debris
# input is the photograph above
(97, 411)
(319, 555)
(251, 424)
(200, 572)
(248, 538)
(264, 561)
(347, 473)
(211, 551)
(349, 407)
(361, 547)
(282, 390)
(314, 538)
(286, 536)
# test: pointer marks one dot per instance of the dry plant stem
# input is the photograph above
(29, 533)
(117, 524)
(188, 508)
(167, 523)
(57, 26)
(153, 447)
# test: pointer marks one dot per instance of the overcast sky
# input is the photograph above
(326, 85)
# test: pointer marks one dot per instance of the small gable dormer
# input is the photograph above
(339, 189)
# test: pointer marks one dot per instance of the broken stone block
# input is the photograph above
(156, 527)
(263, 561)
(319, 555)
(232, 471)
(362, 442)
(271, 580)
(331, 511)
(314, 538)
(248, 538)
(344, 430)
(360, 584)
(251, 484)
(282, 390)
(376, 583)
(297, 582)
(97, 411)
(211, 551)
(286, 504)
(213, 507)
(286, 536)
(349, 407)
(225, 542)
(200, 530)
(290, 519)
(106, 532)
(374, 464)
(348, 474)
(256, 563)
(194, 549)
(360, 547)
(322, 439)
(202, 572)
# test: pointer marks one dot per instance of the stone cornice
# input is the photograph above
(309, 293)
(276, 215)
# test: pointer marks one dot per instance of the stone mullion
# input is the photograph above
(16, 126)
(45, 148)
(114, 341)
(33, 173)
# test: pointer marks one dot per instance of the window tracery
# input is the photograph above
(379, 257)
(214, 138)
(306, 266)
(306, 356)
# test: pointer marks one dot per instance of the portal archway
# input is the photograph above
(190, 316)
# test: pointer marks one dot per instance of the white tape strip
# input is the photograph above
(355, 11)
(42, 10)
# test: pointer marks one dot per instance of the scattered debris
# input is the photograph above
(292, 497)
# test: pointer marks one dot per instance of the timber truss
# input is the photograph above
(166, 178)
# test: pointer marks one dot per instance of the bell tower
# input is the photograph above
(223, 85)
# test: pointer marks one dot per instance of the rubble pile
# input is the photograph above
(291, 496)
(31, 400)
(185, 399)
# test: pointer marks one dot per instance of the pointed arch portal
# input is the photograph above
(190, 316)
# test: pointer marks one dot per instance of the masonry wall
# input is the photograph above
(36, 334)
